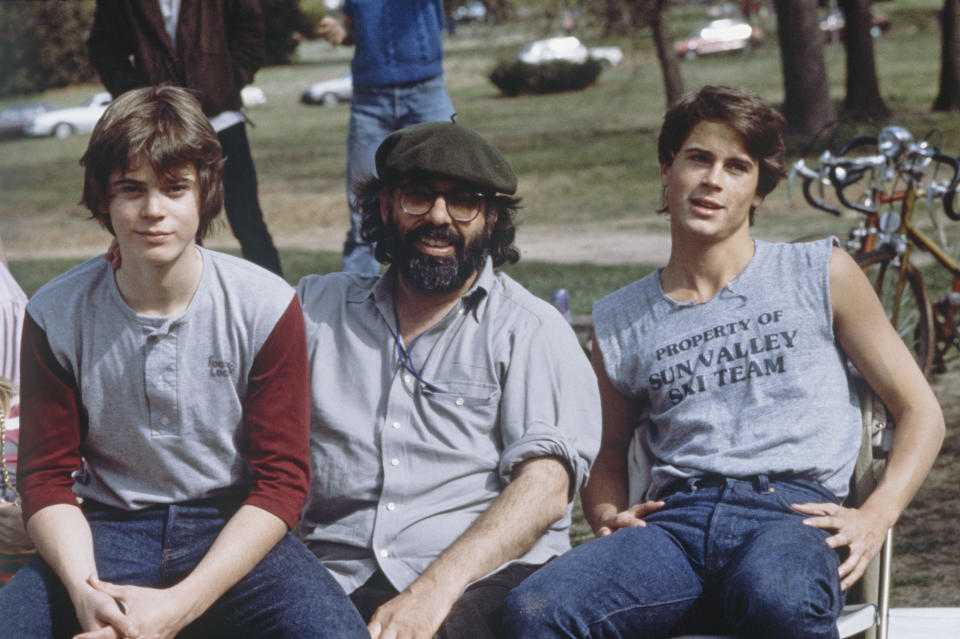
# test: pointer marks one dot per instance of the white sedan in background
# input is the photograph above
(568, 48)
(329, 92)
(62, 123)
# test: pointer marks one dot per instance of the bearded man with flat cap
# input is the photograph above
(454, 415)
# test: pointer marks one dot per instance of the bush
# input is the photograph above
(514, 78)
(44, 45)
(286, 24)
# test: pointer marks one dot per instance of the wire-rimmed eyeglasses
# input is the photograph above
(462, 206)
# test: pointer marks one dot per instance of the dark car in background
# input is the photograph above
(14, 117)
(832, 24)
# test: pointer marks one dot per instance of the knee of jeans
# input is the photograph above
(787, 576)
(785, 601)
(529, 612)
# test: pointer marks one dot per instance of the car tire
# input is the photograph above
(62, 130)
(328, 99)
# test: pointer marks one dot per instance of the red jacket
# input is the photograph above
(220, 45)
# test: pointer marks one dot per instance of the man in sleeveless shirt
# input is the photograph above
(726, 361)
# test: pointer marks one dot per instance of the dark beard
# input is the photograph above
(430, 274)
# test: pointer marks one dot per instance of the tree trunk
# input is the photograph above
(672, 80)
(806, 105)
(863, 99)
(949, 97)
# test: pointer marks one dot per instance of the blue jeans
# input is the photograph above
(375, 113)
(722, 556)
(289, 594)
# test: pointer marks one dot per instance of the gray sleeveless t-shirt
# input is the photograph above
(749, 382)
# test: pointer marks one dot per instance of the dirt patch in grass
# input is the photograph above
(926, 545)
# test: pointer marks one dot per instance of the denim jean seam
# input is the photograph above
(665, 602)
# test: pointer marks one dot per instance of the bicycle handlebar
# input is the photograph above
(809, 176)
(951, 191)
(846, 171)
(855, 141)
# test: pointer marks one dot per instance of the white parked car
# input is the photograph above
(726, 35)
(329, 92)
(62, 123)
(564, 48)
(567, 48)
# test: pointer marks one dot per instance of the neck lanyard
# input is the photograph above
(405, 360)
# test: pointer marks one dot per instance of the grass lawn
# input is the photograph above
(586, 162)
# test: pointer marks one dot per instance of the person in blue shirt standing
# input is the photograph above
(397, 70)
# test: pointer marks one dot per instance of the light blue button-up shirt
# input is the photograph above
(399, 469)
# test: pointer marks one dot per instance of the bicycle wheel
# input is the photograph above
(914, 318)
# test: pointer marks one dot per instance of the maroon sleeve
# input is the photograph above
(276, 413)
(52, 424)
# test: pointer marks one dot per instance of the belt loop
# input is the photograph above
(762, 483)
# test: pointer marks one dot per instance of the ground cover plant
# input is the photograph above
(588, 175)
(514, 78)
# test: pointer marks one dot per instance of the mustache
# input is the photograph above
(442, 233)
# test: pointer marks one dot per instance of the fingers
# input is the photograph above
(852, 569)
(374, 628)
(817, 508)
(114, 615)
(107, 632)
(646, 508)
(113, 254)
(824, 523)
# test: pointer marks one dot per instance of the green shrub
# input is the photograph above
(514, 78)
(43, 45)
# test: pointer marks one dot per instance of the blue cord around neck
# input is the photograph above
(405, 360)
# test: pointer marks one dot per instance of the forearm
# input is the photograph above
(246, 539)
(534, 500)
(62, 536)
(606, 492)
(918, 435)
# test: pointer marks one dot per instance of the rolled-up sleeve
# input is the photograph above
(550, 405)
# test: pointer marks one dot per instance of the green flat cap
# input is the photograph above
(445, 150)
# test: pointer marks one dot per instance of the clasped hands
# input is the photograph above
(110, 611)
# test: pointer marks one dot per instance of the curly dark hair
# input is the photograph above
(373, 230)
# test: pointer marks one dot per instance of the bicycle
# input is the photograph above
(884, 239)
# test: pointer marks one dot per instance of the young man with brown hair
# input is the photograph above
(726, 360)
(171, 395)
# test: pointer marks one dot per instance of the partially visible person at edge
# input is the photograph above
(397, 73)
(454, 413)
(752, 424)
(15, 544)
(171, 396)
(213, 48)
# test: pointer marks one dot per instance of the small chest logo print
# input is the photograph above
(220, 368)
